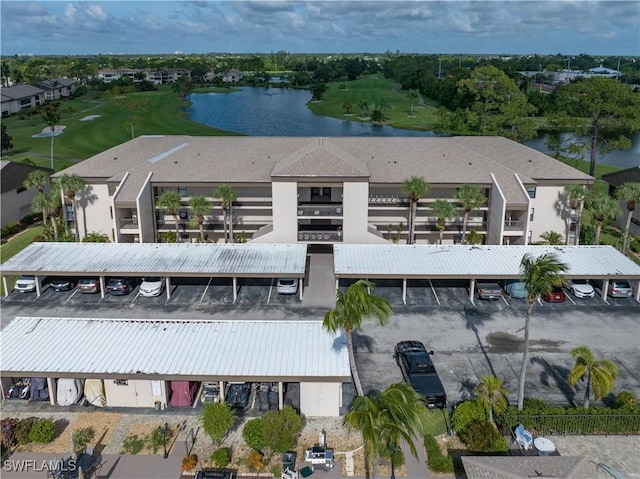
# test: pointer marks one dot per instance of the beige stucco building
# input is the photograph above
(324, 190)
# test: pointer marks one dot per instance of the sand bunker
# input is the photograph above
(46, 132)
(90, 117)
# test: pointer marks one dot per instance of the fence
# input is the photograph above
(573, 424)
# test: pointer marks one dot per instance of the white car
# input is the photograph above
(581, 288)
(26, 284)
(151, 286)
(287, 285)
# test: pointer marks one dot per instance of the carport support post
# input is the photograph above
(5, 284)
(404, 291)
(301, 285)
(38, 291)
(605, 289)
(53, 392)
(280, 395)
(221, 392)
(637, 290)
(234, 282)
(102, 286)
(472, 288)
(167, 287)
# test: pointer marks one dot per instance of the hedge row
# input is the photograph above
(17, 226)
(436, 461)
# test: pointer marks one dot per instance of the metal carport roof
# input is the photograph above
(176, 259)
(174, 349)
(469, 262)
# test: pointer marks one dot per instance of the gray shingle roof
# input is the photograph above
(21, 91)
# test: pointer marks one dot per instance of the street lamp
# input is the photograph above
(165, 431)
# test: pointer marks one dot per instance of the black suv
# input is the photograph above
(120, 286)
(417, 369)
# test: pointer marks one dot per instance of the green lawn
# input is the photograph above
(372, 89)
(16, 244)
(436, 423)
(83, 139)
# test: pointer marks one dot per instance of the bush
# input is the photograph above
(283, 428)
(83, 436)
(437, 461)
(221, 457)
(132, 445)
(8, 433)
(24, 428)
(157, 438)
(482, 436)
(255, 434)
(467, 412)
(216, 419)
(634, 245)
(189, 462)
(255, 461)
(42, 431)
(626, 400)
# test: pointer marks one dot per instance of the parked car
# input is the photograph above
(581, 288)
(287, 285)
(119, 286)
(489, 290)
(88, 285)
(515, 289)
(418, 371)
(555, 296)
(238, 394)
(151, 286)
(26, 284)
(620, 288)
(210, 393)
(61, 284)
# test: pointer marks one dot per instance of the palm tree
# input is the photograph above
(576, 195)
(539, 276)
(200, 207)
(412, 96)
(384, 418)
(227, 195)
(601, 374)
(629, 192)
(170, 201)
(51, 115)
(552, 238)
(38, 179)
(70, 185)
(493, 394)
(445, 211)
(363, 105)
(470, 197)
(95, 237)
(48, 203)
(415, 187)
(603, 208)
(353, 306)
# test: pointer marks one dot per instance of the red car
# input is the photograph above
(556, 296)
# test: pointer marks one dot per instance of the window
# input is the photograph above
(184, 214)
(182, 190)
(21, 189)
(531, 214)
(531, 190)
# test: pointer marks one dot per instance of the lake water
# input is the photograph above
(256, 111)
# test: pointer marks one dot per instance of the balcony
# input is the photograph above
(320, 210)
(513, 225)
(320, 236)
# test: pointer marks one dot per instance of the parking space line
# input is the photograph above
(433, 290)
(135, 297)
(570, 299)
(504, 299)
(75, 291)
(270, 289)
(206, 288)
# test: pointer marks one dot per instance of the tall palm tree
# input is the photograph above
(48, 203)
(603, 208)
(629, 192)
(363, 105)
(353, 306)
(385, 418)
(70, 185)
(445, 211)
(491, 391)
(51, 115)
(412, 95)
(199, 207)
(39, 180)
(601, 373)
(227, 195)
(471, 198)
(170, 201)
(552, 238)
(415, 187)
(576, 195)
(539, 276)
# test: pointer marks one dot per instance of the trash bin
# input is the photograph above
(158, 405)
(289, 461)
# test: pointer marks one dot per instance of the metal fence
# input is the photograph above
(573, 424)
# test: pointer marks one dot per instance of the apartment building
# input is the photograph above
(324, 190)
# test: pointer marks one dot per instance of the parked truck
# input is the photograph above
(418, 370)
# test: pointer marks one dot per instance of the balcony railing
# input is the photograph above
(513, 225)
(320, 236)
(320, 210)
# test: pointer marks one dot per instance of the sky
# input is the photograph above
(336, 26)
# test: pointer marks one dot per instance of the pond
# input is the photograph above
(257, 111)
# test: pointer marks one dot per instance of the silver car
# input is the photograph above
(287, 285)
(581, 288)
(620, 289)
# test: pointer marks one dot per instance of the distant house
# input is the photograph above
(160, 76)
(210, 76)
(108, 75)
(617, 179)
(16, 199)
(57, 88)
(232, 76)
(20, 97)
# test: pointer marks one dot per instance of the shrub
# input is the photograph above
(132, 445)
(8, 433)
(24, 428)
(83, 436)
(437, 461)
(157, 438)
(482, 436)
(467, 412)
(221, 457)
(634, 245)
(216, 419)
(42, 431)
(283, 428)
(255, 461)
(626, 400)
(255, 434)
(189, 462)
